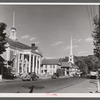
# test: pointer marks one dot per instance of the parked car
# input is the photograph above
(93, 74)
(55, 76)
(30, 77)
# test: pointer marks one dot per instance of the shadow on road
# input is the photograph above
(33, 87)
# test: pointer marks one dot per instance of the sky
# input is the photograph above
(51, 27)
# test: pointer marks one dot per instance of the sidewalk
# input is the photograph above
(11, 80)
(84, 87)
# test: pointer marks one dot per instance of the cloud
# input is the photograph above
(85, 53)
(33, 38)
(74, 46)
(21, 25)
(82, 52)
(77, 40)
(51, 57)
(37, 42)
(25, 37)
(89, 39)
(56, 43)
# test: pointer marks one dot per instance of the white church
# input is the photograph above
(24, 58)
(70, 68)
(50, 66)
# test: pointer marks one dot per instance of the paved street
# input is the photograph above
(61, 85)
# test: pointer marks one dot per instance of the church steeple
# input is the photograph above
(13, 29)
(71, 58)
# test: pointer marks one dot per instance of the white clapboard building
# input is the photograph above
(23, 58)
(50, 66)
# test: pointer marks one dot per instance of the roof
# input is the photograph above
(66, 64)
(74, 66)
(20, 45)
(17, 44)
(69, 64)
(50, 61)
(1, 59)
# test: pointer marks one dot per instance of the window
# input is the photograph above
(53, 66)
(41, 71)
(45, 66)
(50, 66)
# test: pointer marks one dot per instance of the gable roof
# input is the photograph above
(20, 45)
(68, 64)
(17, 44)
(75, 66)
(1, 59)
(50, 62)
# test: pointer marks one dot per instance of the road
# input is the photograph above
(39, 86)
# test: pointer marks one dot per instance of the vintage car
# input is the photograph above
(93, 74)
(55, 76)
(30, 77)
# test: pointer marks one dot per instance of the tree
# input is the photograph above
(96, 37)
(2, 43)
(2, 37)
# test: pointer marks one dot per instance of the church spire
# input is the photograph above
(71, 58)
(13, 19)
(71, 52)
(13, 29)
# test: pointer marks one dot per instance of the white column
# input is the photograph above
(26, 64)
(8, 55)
(39, 70)
(29, 63)
(22, 62)
(18, 62)
(33, 64)
(65, 72)
(36, 65)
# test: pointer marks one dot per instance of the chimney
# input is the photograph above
(33, 45)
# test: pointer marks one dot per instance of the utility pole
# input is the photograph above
(98, 80)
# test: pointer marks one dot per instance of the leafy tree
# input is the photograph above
(65, 59)
(96, 36)
(80, 62)
(60, 72)
(2, 44)
(2, 37)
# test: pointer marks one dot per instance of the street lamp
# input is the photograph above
(98, 82)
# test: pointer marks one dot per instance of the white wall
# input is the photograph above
(50, 69)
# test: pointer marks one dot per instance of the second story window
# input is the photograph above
(45, 66)
(50, 66)
(53, 66)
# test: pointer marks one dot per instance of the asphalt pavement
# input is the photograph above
(48, 85)
(86, 86)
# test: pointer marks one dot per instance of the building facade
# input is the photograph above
(50, 66)
(70, 68)
(22, 58)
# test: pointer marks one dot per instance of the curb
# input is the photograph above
(10, 81)
(39, 79)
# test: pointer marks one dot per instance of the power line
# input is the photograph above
(90, 17)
